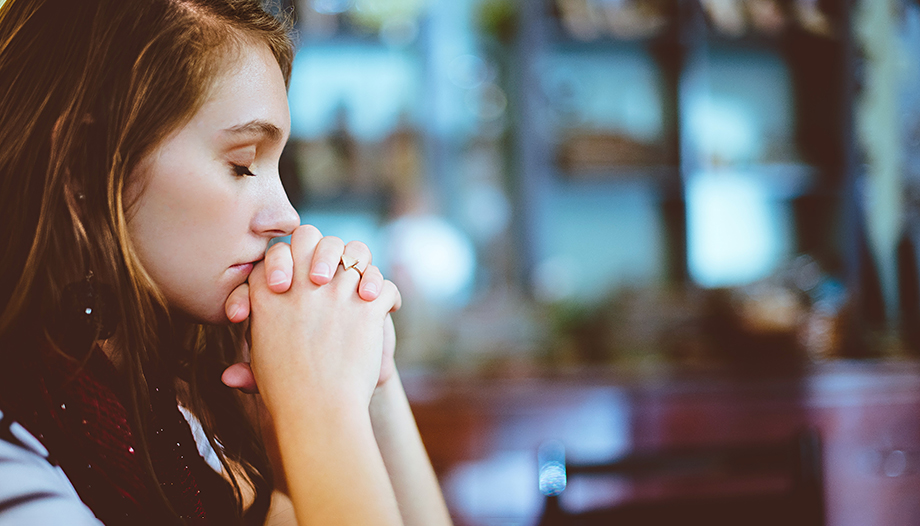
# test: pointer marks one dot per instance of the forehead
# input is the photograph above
(249, 89)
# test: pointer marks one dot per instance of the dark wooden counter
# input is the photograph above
(483, 433)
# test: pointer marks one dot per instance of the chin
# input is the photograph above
(211, 314)
(215, 318)
(203, 305)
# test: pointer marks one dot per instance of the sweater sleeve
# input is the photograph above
(32, 490)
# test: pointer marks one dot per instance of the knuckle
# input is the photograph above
(333, 240)
(359, 246)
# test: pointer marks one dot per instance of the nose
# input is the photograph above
(277, 217)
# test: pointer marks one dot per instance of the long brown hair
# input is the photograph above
(88, 88)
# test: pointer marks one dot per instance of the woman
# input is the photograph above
(140, 190)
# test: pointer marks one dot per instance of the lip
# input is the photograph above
(244, 268)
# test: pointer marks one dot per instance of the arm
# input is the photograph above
(404, 456)
(335, 473)
(316, 356)
(410, 471)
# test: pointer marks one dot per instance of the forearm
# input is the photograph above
(410, 471)
(335, 473)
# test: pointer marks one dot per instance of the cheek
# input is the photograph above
(191, 204)
(186, 228)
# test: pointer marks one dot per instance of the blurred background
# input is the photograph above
(628, 226)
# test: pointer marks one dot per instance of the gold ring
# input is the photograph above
(350, 263)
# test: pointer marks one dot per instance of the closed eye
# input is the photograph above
(241, 170)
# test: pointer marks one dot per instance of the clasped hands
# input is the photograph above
(315, 324)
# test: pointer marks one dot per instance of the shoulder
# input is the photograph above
(32, 490)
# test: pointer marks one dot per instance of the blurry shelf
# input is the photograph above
(663, 177)
(589, 151)
(787, 86)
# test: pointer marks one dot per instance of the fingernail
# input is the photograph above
(277, 278)
(370, 288)
(322, 270)
(234, 310)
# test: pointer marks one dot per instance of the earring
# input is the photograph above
(88, 310)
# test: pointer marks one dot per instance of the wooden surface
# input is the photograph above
(483, 434)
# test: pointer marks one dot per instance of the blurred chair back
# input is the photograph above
(790, 493)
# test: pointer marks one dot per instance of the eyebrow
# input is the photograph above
(257, 127)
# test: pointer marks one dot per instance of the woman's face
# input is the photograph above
(198, 220)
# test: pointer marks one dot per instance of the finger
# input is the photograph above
(257, 277)
(371, 283)
(354, 262)
(356, 256)
(390, 296)
(239, 376)
(387, 364)
(237, 305)
(303, 244)
(279, 267)
(326, 258)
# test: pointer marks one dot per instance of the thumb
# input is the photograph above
(239, 376)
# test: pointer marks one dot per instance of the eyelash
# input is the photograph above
(241, 170)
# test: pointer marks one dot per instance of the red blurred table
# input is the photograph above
(483, 433)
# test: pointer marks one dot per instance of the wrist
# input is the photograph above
(386, 398)
(316, 404)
